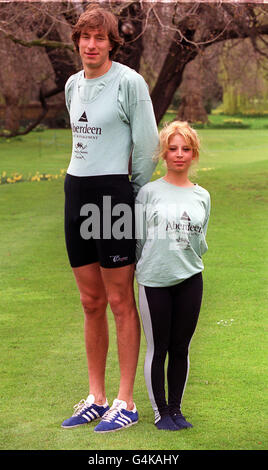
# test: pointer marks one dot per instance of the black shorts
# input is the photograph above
(99, 220)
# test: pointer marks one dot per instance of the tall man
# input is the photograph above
(112, 118)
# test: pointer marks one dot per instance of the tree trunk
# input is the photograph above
(170, 77)
(191, 108)
(130, 27)
(12, 115)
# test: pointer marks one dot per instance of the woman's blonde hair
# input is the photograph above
(95, 17)
(178, 128)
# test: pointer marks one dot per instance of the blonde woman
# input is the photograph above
(172, 222)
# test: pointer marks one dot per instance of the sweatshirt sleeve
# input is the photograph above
(68, 91)
(138, 109)
(208, 207)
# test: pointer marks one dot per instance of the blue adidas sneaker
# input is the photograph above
(117, 417)
(85, 412)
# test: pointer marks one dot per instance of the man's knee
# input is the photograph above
(93, 304)
(116, 301)
(122, 304)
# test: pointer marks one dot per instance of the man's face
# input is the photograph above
(94, 48)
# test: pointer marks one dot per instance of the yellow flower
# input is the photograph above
(35, 178)
(17, 177)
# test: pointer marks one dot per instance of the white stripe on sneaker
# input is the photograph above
(127, 418)
(122, 420)
(87, 418)
(119, 422)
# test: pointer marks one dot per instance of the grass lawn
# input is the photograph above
(43, 361)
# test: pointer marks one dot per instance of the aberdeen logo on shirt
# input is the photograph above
(185, 216)
(81, 127)
(184, 225)
(86, 130)
(90, 131)
(83, 118)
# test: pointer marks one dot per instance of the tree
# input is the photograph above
(187, 30)
(196, 27)
(38, 58)
(243, 76)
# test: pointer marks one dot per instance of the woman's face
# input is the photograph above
(179, 155)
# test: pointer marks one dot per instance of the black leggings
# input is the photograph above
(169, 316)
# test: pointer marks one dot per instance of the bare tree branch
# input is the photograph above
(37, 42)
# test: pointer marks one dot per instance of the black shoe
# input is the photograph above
(166, 423)
(180, 421)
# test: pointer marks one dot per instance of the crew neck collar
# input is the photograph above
(105, 76)
(195, 185)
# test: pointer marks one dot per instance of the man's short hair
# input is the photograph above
(95, 17)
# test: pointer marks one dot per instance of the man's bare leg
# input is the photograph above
(94, 301)
(119, 285)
